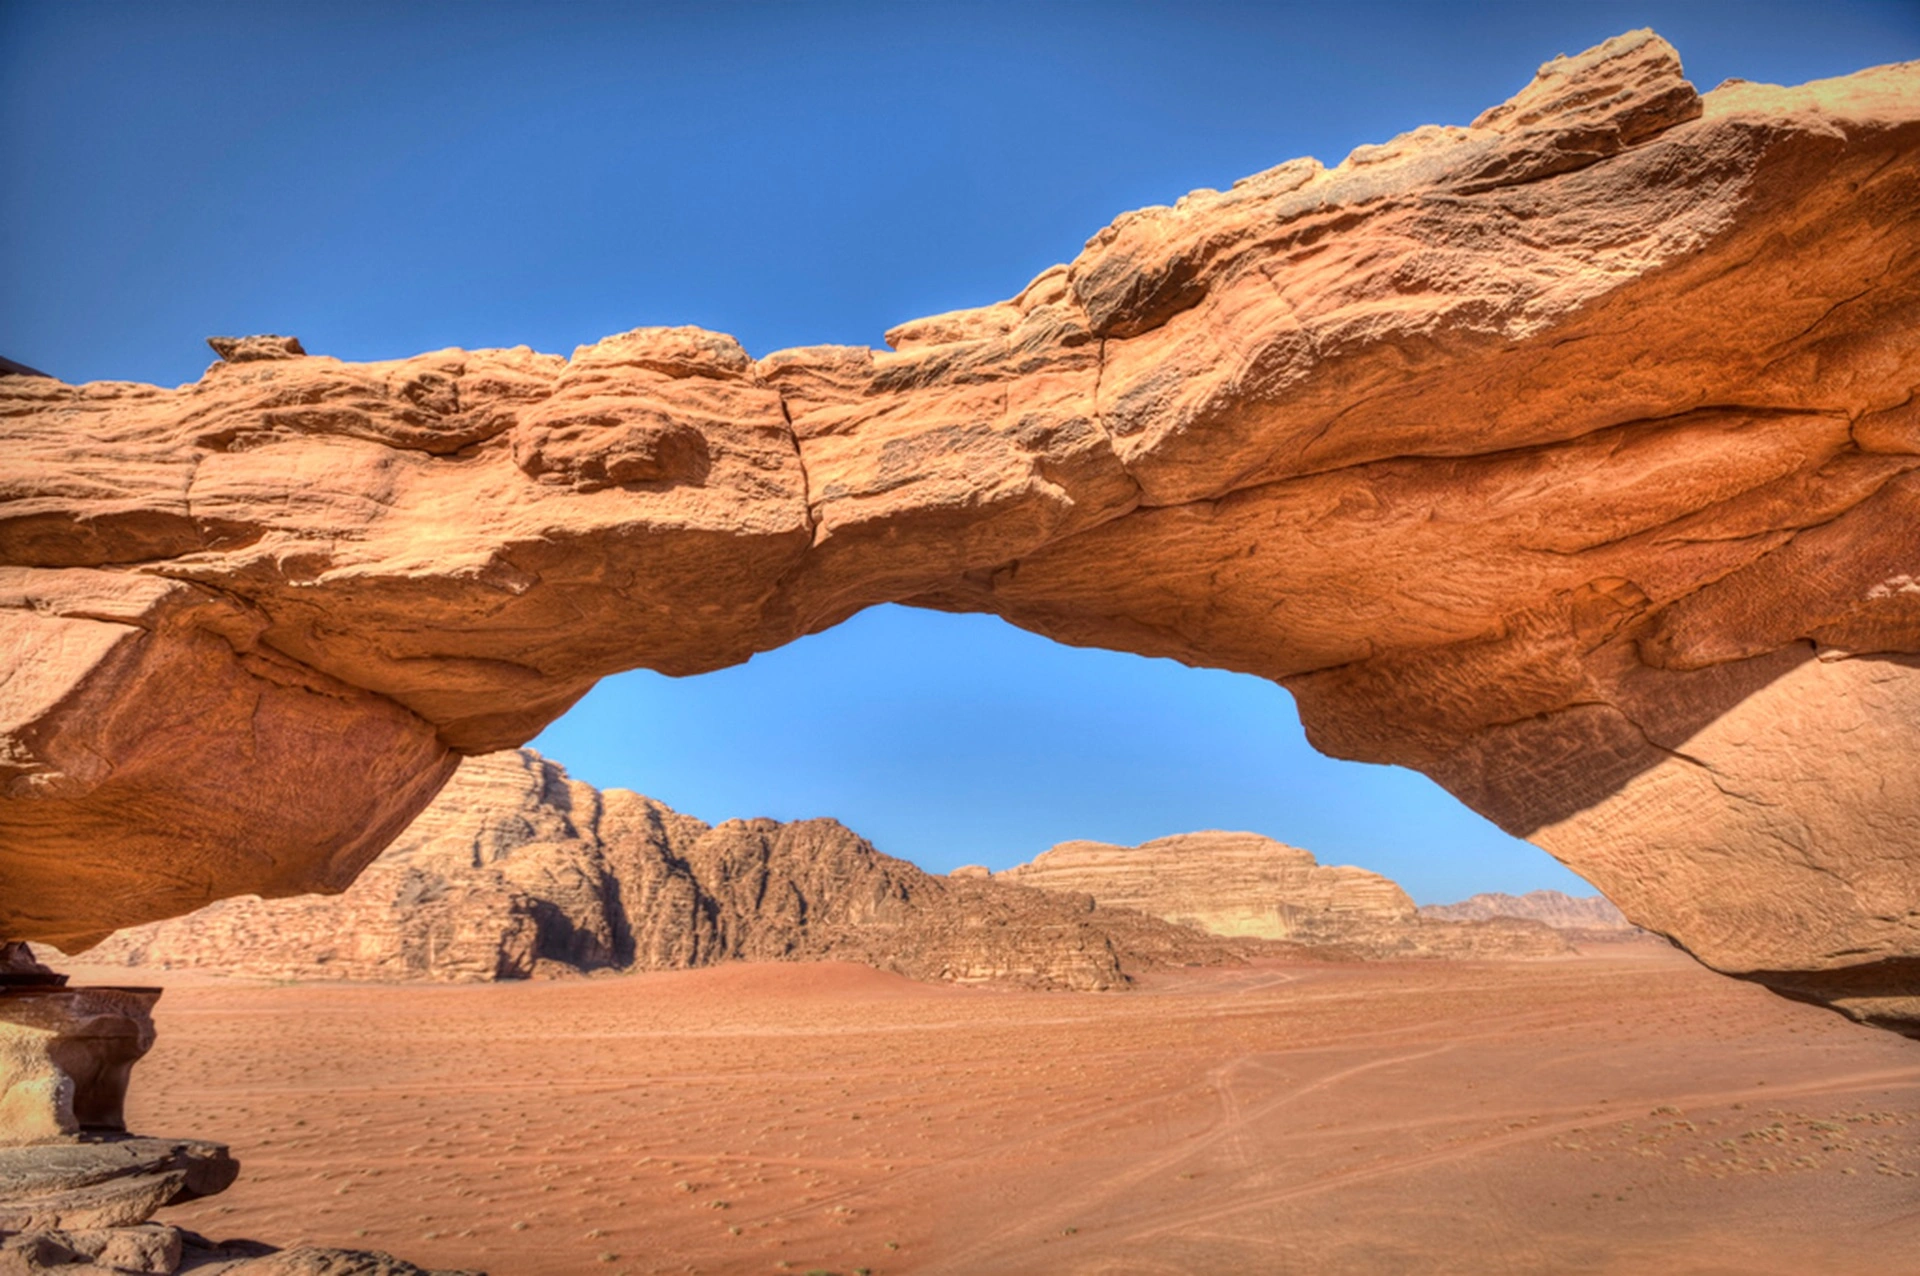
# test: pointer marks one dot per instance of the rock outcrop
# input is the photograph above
(1586, 913)
(516, 870)
(1247, 885)
(1568, 457)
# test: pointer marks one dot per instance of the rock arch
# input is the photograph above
(1568, 457)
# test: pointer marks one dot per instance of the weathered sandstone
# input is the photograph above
(1244, 884)
(517, 870)
(253, 1259)
(77, 1192)
(65, 1055)
(145, 1247)
(1568, 457)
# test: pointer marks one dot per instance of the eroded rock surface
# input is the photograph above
(65, 1056)
(1568, 457)
(307, 1260)
(106, 1181)
(517, 870)
(84, 1206)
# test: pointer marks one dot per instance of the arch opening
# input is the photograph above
(950, 740)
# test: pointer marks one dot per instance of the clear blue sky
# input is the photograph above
(385, 179)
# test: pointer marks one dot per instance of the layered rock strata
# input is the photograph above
(105, 1182)
(82, 1201)
(84, 1206)
(1244, 884)
(1223, 883)
(1568, 456)
(516, 870)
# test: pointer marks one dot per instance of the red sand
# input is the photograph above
(1623, 1112)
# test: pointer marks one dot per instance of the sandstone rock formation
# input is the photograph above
(1554, 908)
(1568, 457)
(250, 1258)
(1243, 884)
(516, 869)
(1223, 883)
(65, 1055)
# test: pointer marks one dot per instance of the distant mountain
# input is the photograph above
(1247, 885)
(1560, 911)
(516, 870)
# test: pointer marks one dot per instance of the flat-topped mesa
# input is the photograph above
(1244, 884)
(1568, 457)
(1223, 883)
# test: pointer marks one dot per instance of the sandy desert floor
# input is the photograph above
(1623, 1112)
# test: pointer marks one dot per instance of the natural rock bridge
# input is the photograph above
(1568, 457)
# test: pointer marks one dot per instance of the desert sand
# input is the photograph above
(1624, 1111)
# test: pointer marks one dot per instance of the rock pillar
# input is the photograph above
(75, 1187)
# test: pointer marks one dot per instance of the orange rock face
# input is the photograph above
(1568, 457)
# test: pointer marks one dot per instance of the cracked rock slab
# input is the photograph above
(92, 1183)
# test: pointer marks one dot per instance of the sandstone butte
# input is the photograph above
(1223, 883)
(1567, 457)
